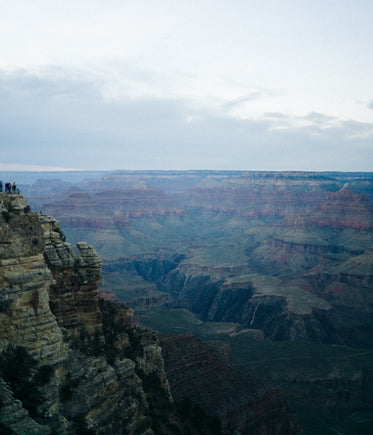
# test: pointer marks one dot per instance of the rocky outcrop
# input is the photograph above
(95, 360)
(74, 296)
(283, 312)
(25, 279)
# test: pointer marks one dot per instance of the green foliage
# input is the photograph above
(68, 387)
(102, 342)
(215, 424)
(16, 365)
(4, 430)
(91, 345)
(186, 407)
(62, 235)
(66, 393)
(114, 330)
(80, 425)
(150, 382)
(6, 216)
(44, 375)
(198, 416)
(111, 330)
(17, 368)
(135, 349)
(111, 354)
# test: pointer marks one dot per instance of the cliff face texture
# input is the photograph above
(73, 296)
(82, 376)
(25, 279)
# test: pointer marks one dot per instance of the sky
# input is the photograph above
(175, 84)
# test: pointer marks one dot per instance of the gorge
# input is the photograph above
(72, 363)
(270, 270)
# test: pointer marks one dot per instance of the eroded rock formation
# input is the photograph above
(73, 297)
(25, 279)
(94, 371)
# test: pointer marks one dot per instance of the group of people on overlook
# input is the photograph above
(9, 187)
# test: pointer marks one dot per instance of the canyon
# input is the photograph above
(74, 363)
(280, 252)
(260, 261)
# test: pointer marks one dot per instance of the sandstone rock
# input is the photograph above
(20, 234)
(25, 317)
(74, 295)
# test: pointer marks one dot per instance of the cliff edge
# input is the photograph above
(66, 365)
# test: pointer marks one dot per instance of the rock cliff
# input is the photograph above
(87, 364)
(73, 296)
(25, 279)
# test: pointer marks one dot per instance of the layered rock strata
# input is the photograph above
(95, 371)
(25, 279)
(73, 297)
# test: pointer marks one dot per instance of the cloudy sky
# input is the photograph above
(176, 84)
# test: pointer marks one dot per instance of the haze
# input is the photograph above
(275, 85)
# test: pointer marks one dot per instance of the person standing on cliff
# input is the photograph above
(14, 187)
(1, 186)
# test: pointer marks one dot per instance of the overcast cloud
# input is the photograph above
(186, 85)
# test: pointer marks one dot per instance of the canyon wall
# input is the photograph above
(50, 313)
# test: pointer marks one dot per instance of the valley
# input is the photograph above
(277, 267)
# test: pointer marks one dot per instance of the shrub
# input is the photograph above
(80, 424)
(66, 393)
(62, 235)
(17, 368)
(44, 374)
(16, 365)
(67, 389)
(5, 430)
(5, 214)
